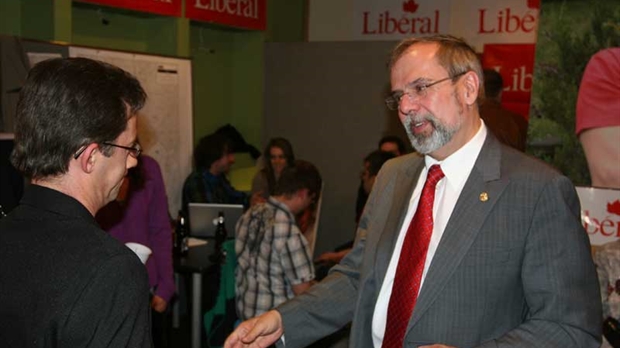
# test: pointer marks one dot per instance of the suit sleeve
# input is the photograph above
(558, 276)
(325, 307)
(329, 305)
(113, 308)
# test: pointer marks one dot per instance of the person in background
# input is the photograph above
(598, 117)
(389, 143)
(140, 215)
(274, 261)
(372, 163)
(510, 128)
(208, 182)
(393, 144)
(279, 155)
(65, 282)
(473, 245)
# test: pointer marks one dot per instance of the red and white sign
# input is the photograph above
(483, 22)
(515, 62)
(600, 214)
(477, 21)
(400, 18)
(161, 7)
(248, 14)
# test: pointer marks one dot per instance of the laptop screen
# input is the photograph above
(203, 218)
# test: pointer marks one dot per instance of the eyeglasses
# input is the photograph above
(414, 91)
(134, 151)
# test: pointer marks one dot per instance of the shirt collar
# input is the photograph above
(273, 201)
(458, 165)
(56, 202)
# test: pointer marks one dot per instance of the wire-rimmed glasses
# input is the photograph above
(413, 91)
(134, 151)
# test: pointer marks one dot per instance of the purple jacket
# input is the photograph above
(144, 219)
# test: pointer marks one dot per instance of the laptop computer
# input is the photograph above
(203, 218)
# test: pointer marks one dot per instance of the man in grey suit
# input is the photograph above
(507, 263)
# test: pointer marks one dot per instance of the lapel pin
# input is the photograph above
(484, 197)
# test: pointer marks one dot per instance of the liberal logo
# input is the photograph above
(614, 207)
(533, 4)
(410, 6)
(407, 22)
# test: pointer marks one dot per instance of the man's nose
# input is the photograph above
(408, 104)
(131, 161)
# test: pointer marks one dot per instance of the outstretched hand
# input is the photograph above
(258, 332)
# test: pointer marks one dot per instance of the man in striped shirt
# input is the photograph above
(274, 262)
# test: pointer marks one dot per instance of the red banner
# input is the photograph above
(515, 62)
(161, 7)
(249, 14)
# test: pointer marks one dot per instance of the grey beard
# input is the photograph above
(425, 144)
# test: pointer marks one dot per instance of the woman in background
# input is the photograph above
(278, 155)
(140, 215)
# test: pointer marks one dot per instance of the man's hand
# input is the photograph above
(332, 257)
(327, 257)
(258, 332)
(158, 304)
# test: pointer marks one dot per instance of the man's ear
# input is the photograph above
(302, 193)
(471, 88)
(89, 157)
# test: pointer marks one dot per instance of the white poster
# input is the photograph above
(600, 214)
(165, 123)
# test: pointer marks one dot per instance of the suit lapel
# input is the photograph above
(465, 222)
(405, 182)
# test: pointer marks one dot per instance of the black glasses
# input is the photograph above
(134, 151)
(413, 91)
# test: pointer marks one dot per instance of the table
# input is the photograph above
(196, 263)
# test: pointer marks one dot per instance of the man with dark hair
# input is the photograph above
(510, 128)
(475, 244)
(274, 262)
(393, 144)
(208, 183)
(372, 164)
(64, 281)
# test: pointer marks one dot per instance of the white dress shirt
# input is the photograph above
(456, 168)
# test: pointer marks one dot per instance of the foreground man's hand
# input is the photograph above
(258, 332)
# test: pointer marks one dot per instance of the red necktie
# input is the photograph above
(411, 264)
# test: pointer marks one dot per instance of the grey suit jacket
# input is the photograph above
(514, 270)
